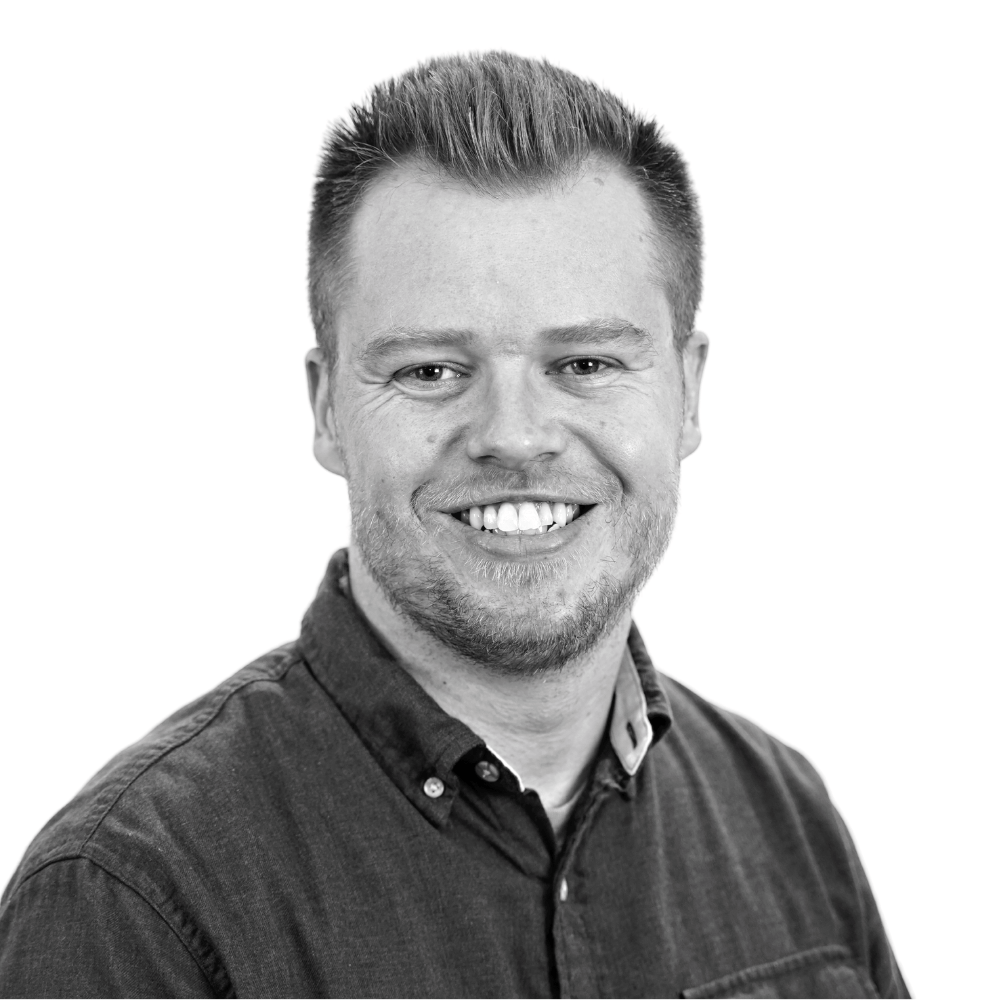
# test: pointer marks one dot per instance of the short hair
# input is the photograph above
(499, 123)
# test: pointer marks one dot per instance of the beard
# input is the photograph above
(517, 637)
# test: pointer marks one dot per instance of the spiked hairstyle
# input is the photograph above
(497, 122)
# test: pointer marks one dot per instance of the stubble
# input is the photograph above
(510, 633)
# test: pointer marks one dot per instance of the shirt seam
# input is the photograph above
(830, 954)
(197, 725)
(81, 856)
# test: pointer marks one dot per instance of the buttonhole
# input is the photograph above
(631, 734)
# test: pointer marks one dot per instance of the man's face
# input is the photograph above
(508, 349)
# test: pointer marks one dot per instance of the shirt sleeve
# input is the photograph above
(74, 930)
(881, 961)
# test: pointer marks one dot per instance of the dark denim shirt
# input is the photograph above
(276, 838)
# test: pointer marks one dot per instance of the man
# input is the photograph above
(465, 778)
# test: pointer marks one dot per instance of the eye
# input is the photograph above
(428, 374)
(585, 366)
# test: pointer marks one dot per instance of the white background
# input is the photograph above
(833, 573)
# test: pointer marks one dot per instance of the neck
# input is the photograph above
(546, 727)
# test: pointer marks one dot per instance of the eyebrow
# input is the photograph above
(398, 339)
(589, 332)
(599, 331)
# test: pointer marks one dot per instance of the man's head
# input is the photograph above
(498, 123)
(506, 263)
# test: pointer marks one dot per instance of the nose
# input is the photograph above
(513, 427)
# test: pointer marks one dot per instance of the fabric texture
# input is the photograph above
(280, 837)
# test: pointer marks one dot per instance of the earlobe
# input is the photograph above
(326, 439)
(695, 354)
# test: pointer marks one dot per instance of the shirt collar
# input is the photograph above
(408, 733)
(629, 728)
(657, 706)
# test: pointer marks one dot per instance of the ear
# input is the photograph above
(695, 353)
(326, 440)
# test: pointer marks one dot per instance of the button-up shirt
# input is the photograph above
(318, 826)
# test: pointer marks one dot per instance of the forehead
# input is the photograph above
(429, 251)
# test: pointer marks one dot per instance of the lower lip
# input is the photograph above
(513, 546)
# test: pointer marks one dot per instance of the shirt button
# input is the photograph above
(434, 788)
(488, 771)
(563, 891)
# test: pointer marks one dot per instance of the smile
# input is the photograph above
(521, 518)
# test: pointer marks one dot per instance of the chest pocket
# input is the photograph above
(819, 972)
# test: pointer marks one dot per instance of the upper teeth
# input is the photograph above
(530, 518)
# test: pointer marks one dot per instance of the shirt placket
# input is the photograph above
(573, 898)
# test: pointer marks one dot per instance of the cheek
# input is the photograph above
(641, 440)
(649, 460)
(389, 454)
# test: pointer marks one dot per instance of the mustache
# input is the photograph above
(491, 481)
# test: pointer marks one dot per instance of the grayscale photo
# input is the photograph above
(497, 501)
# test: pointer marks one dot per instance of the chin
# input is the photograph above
(519, 641)
(542, 629)
(514, 617)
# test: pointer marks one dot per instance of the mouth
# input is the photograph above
(521, 517)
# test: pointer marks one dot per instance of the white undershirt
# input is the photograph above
(558, 815)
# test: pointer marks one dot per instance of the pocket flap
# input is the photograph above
(820, 972)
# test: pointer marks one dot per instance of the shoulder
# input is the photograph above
(726, 739)
(724, 777)
(72, 929)
(177, 768)
(730, 793)
(753, 782)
